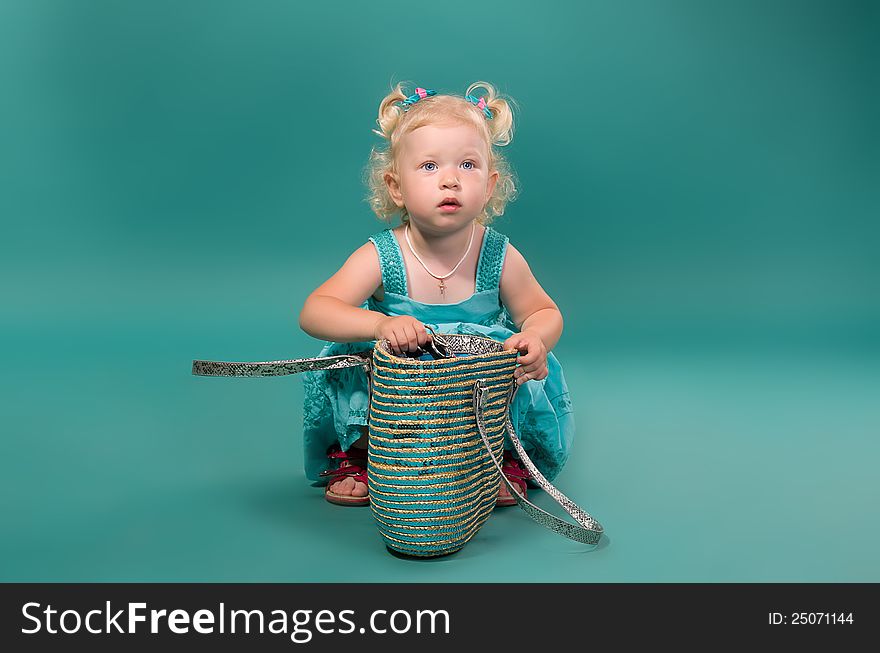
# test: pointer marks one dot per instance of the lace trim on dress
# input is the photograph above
(391, 262)
(491, 261)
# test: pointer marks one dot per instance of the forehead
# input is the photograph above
(438, 139)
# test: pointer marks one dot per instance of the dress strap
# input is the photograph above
(391, 262)
(491, 260)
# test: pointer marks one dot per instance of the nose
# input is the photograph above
(449, 180)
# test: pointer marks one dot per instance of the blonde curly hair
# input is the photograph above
(394, 123)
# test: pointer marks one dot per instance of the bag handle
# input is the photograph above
(587, 530)
(438, 348)
(282, 368)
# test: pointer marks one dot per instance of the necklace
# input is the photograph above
(448, 274)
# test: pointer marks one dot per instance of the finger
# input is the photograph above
(422, 334)
(412, 340)
(403, 338)
(394, 346)
(407, 337)
(534, 373)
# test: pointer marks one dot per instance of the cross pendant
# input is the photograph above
(442, 288)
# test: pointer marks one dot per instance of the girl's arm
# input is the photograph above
(331, 312)
(530, 308)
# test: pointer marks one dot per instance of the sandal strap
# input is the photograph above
(513, 469)
(354, 471)
(335, 453)
(355, 468)
(515, 472)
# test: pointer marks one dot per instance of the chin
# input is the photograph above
(452, 224)
(442, 221)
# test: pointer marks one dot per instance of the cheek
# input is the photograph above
(480, 186)
(406, 184)
(416, 187)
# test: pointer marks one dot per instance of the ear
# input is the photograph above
(393, 183)
(490, 186)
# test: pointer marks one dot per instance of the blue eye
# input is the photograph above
(468, 165)
(430, 167)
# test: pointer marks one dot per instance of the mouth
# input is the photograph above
(449, 204)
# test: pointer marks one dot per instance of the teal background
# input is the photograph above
(699, 194)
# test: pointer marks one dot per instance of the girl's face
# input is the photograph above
(443, 177)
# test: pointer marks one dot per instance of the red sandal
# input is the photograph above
(351, 464)
(516, 474)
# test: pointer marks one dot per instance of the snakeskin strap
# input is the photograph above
(456, 342)
(587, 530)
(281, 368)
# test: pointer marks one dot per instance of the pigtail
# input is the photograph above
(390, 112)
(501, 125)
(381, 158)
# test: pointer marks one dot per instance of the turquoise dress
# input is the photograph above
(336, 402)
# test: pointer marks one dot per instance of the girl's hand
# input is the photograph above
(403, 332)
(533, 356)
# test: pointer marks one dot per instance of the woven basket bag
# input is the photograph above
(437, 421)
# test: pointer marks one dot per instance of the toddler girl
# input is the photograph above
(443, 266)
